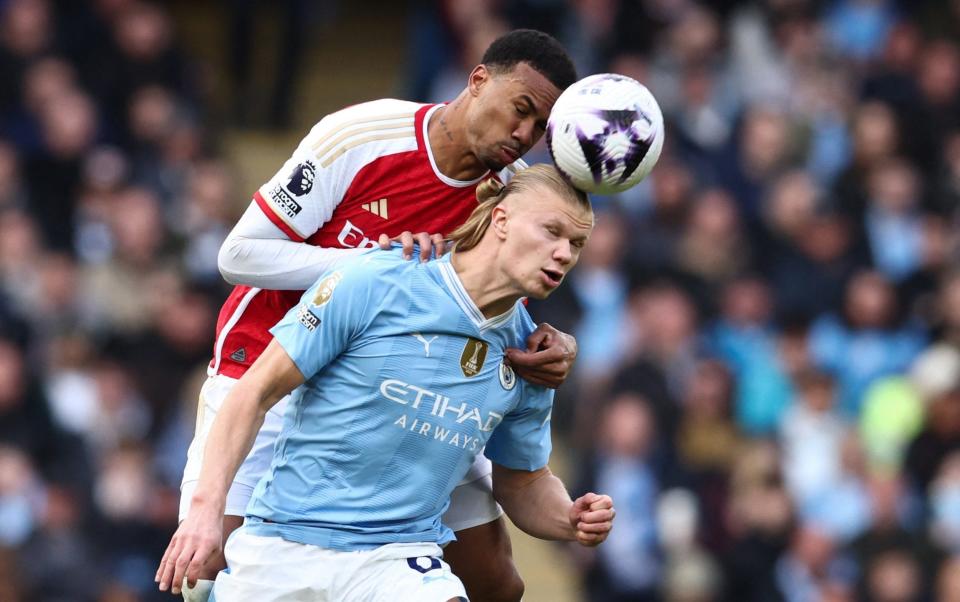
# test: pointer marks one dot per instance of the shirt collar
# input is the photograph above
(453, 283)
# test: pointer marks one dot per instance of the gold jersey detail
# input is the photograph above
(473, 356)
(325, 288)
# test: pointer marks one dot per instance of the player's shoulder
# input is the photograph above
(376, 265)
(356, 278)
(383, 113)
(384, 278)
(380, 127)
(507, 173)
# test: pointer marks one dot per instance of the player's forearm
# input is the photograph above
(539, 507)
(276, 264)
(258, 253)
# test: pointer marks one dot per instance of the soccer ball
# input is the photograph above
(605, 133)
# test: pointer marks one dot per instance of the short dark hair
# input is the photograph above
(540, 50)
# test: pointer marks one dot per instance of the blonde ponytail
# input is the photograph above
(489, 194)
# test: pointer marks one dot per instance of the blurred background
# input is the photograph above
(769, 374)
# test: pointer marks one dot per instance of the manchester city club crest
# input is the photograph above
(508, 378)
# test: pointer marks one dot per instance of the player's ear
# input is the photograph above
(499, 219)
(478, 79)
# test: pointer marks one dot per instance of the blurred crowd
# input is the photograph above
(113, 205)
(769, 325)
(769, 374)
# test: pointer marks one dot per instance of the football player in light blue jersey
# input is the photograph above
(404, 381)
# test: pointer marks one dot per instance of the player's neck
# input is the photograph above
(447, 139)
(492, 293)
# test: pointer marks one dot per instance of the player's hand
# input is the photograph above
(591, 516)
(428, 242)
(548, 358)
(197, 539)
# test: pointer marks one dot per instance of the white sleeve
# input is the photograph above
(257, 253)
(266, 247)
(303, 194)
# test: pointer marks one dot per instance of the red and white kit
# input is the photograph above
(361, 172)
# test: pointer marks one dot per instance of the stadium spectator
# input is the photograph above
(834, 138)
(629, 565)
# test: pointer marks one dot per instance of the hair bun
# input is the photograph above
(488, 189)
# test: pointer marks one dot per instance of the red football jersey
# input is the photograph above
(360, 172)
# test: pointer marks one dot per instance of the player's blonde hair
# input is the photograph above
(492, 192)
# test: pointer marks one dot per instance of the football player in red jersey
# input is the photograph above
(371, 172)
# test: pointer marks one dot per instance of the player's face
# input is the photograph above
(510, 113)
(543, 235)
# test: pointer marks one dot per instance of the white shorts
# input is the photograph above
(263, 569)
(471, 503)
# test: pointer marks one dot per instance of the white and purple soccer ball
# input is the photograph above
(605, 133)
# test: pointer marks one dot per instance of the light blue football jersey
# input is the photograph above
(405, 384)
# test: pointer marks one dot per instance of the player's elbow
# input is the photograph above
(230, 257)
(512, 486)
(502, 489)
(513, 503)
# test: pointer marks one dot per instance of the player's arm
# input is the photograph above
(548, 358)
(267, 248)
(534, 499)
(259, 253)
(271, 377)
(538, 503)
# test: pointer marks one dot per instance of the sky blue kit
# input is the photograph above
(405, 384)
